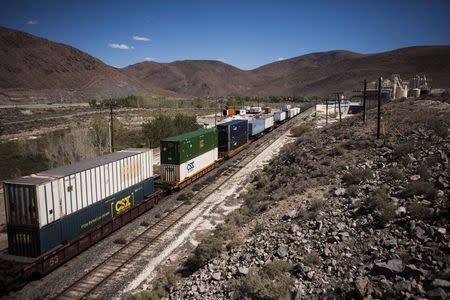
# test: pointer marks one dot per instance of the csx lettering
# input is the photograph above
(123, 204)
(190, 166)
(23, 238)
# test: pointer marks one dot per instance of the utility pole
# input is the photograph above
(111, 128)
(338, 95)
(326, 110)
(215, 114)
(379, 108)
(364, 100)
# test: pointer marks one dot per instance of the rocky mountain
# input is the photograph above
(313, 74)
(36, 69)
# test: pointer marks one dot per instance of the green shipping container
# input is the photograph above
(181, 148)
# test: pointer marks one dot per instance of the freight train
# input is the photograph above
(54, 215)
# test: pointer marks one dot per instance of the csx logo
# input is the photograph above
(123, 204)
(23, 238)
(190, 166)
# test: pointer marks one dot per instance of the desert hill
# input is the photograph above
(36, 69)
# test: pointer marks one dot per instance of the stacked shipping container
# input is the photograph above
(232, 135)
(57, 205)
(185, 155)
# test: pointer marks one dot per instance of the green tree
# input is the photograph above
(162, 126)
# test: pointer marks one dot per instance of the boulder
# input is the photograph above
(440, 283)
(389, 269)
(282, 251)
(216, 276)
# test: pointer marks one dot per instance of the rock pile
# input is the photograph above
(380, 230)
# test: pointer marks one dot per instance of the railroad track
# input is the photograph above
(147, 240)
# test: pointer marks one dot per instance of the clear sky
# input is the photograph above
(246, 34)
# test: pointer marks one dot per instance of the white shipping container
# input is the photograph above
(255, 109)
(293, 112)
(65, 190)
(176, 173)
(279, 116)
(268, 122)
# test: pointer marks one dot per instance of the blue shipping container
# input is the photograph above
(232, 134)
(255, 127)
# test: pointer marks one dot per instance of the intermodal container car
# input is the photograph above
(232, 135)
(47, 209)
(184, 155)
(256, 127)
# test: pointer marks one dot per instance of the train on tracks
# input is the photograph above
(54, 215)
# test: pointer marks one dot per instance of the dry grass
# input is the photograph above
(357, 175)
(420, 188)
(272, 281)
(379, 200)
(312, 259)
(301, 129)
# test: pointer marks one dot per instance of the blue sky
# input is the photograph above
(246, 34)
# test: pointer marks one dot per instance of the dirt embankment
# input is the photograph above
(340, 214)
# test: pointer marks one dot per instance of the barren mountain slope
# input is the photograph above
(36, 68)
(324, 73)
(194, 77)
(311, 74)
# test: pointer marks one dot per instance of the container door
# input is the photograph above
(21, 205)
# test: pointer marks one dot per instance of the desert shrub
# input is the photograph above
(337, 150)
(379, 200)
(272, 281)
(279, 194)
(420, 188)
(301, 129)
(261, 180)
(120, 241)
(403, 149)
(396, 173)
(357, 175)
(419, 211)
(209, 179)
(197, 187)
(185, 196)
(258, 228)
(207, 250)
(317, 204)
(312, 259)
(157, 215)
(239, 216)
(256, 201)
(182, 197)
(439, 128)
(352, 189)
(161, 286)
(144, 224)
